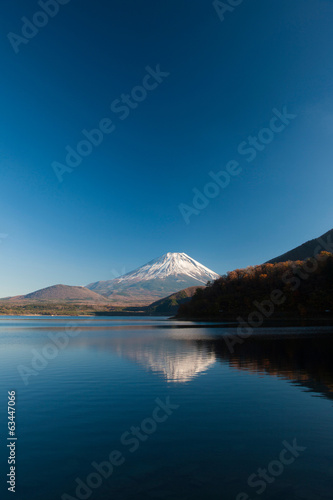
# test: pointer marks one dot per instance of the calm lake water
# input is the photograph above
(188, 418)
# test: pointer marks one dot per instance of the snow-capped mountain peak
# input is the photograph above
(155, 280)
(171, 264)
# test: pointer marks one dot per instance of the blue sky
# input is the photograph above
(119, 208)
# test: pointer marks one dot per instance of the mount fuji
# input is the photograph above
(155, 280)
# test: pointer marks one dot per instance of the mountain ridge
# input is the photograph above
(306, 250)
(168, 274)
(169, 305)
(60, 293)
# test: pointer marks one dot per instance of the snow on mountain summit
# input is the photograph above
(171, 264)
(155, 280)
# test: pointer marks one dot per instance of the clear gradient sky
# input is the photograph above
(120, 207)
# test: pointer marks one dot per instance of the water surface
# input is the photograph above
(231, 413)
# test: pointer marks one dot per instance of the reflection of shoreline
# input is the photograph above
(305, 360)
(301, 355)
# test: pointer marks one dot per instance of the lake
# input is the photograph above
(146, 408)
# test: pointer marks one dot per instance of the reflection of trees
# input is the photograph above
(305, 360)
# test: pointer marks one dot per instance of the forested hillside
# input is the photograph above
(300, 288)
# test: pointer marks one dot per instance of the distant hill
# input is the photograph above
(305, 251)
(155, 280)
(170, 304)
(60, 293)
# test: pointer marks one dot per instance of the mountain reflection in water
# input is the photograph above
(234, 409)
(301, 355)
